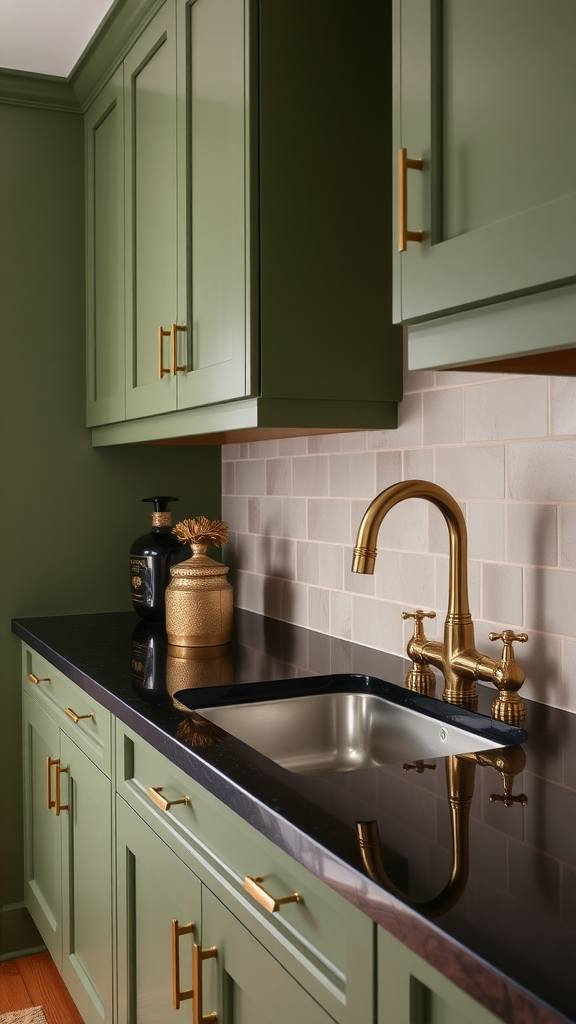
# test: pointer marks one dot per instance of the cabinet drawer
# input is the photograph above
(321, 939)
(81, 717)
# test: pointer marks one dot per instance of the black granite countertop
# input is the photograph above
(510, 938)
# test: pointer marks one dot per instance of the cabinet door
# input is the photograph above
(105, 398)
(155, 888)
(86, 884)
(151, 213)
(410, 991)
(42, 845)
(244, 984)
(486, 94)
(213, 40)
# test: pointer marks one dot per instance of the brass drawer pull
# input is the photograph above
(198, 955)
(177, 995)
(76, 718)
(255, 888)
(161, 368)
(174, 368)
(50, 803)
(38, 679)
(405, 164)
(59, 771)
(161, 801)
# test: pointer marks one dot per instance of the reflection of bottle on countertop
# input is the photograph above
(150, 559)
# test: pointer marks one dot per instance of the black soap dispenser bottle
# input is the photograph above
(150, 559)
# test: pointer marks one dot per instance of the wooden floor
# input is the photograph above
(34, 981)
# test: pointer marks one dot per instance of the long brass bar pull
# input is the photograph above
(161, 368)
(59, 807)
(178, 996)
(50, 803)
(38, 679)
(198, 955)
(174, 368)
(405, 164)
(255, 888)
(76, 718)
(154, 792)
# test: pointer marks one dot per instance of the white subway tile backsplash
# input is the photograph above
(563, 405)
(503, 445)
(486, 530)
(310, 475)
(329, 520)
(545, 471)
(279, 476)
(532, 534)
(567, 544)
(471, 471)
(511, 408)
(442, 416)
(502, 593)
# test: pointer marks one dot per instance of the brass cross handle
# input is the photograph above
(508, 676)
(419, 766)
(418, 615)
(420, 677)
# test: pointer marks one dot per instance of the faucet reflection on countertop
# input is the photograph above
(456, 656)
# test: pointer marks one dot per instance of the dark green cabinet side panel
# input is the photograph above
(87, 906)
(244, 984)
(42, 841)
(496, 198)
(154, 888)
(105, 255)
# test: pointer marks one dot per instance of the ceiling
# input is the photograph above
(47, 36)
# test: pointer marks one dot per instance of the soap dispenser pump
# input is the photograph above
(150, 559)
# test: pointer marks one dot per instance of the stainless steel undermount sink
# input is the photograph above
(347, 731)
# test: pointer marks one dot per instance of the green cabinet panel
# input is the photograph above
(257, 215)
(154, 888)
(410, 991)
(150, 113)
(495, 199)
(86, 884)
(104, 126)
(42, 843)
(244, 984)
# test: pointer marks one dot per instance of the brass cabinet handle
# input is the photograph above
(173, 367)
(161, 801)
(177, 931)
(255, 888)
(161, 368)
(405, 164)
(76, 718)
(198, 955)
(59, 771)
(50, 803)
(38, 679)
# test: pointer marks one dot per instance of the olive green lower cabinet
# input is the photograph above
(413, 992)
(177, 941)
(68, 866)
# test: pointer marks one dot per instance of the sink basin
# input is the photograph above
(353, 724)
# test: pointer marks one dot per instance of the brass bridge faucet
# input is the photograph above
(456, 656)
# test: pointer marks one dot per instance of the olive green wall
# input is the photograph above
(68, 513)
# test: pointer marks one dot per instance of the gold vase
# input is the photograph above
(199, 602)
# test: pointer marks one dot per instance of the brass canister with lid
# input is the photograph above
(199, 597)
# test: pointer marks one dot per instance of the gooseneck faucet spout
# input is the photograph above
(456, 656)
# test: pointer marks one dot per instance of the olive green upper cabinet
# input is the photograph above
(105, 254)
(484, 100)
(151, 179)
(257, 217)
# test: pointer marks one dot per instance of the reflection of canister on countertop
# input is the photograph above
(150, 559)
(190, 668)
(199, 597)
